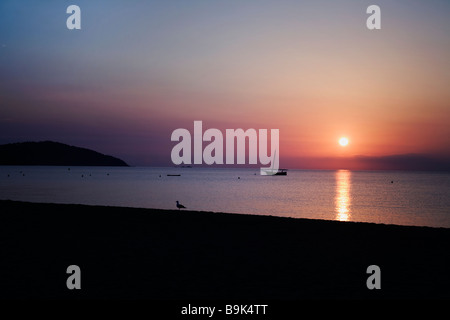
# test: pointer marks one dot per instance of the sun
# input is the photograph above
(343, 141)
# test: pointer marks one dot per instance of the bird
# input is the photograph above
(180, 206)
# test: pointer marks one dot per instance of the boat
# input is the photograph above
(273, 172)
(281, 172)
(174, 175)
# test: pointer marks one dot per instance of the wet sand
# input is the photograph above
(169, 254)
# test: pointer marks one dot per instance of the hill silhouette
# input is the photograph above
(53, 154)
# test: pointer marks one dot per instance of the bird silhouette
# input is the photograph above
(180, 206)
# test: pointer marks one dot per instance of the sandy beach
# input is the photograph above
(133, 253)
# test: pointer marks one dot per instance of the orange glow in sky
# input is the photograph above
(311, 69)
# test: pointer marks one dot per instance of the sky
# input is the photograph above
(136, 71)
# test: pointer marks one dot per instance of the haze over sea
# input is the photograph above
(389, 197)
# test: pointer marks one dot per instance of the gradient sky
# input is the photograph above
(138, 70)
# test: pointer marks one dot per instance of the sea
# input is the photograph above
(387, 197)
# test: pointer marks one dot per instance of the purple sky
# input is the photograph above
(136, 71)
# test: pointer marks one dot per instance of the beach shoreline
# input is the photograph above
(133, 253)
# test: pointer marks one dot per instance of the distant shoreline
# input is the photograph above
(50, 153)
(171, 254)
(222, 167)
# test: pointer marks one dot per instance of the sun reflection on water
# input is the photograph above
(343, 195)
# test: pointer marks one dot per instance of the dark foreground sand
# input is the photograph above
(157, 254)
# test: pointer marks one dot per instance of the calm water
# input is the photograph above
(415, 198)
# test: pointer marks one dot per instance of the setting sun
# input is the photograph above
(343, 141)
